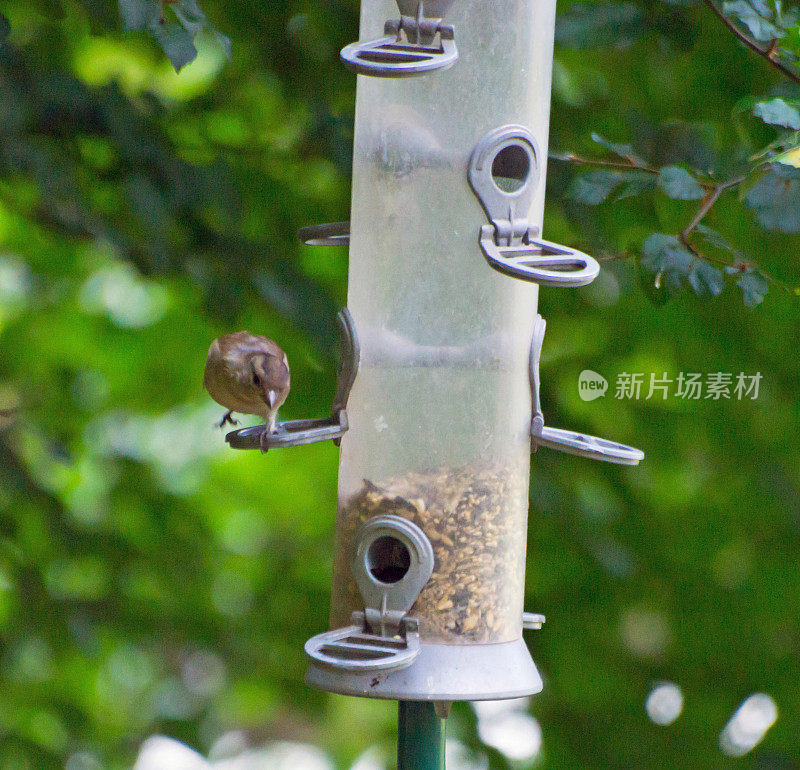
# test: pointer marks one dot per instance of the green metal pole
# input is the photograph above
(420, 741)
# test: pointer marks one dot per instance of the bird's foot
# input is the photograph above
(227, 418)
(269, 429)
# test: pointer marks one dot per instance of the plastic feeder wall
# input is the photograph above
(433, 489)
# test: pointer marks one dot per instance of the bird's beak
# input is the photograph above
(272, 398)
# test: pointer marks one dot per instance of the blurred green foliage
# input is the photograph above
(151, 581)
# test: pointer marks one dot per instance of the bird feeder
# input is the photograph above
(442, 385)
(445, 264)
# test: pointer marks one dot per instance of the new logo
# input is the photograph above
(591, 385)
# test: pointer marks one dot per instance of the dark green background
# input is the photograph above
(143, 213)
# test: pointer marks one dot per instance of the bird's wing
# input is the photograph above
(212, 362)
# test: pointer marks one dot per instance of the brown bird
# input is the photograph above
(249, 374)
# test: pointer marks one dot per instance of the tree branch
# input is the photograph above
(615, 164)
(707, 204)
(709, 200)
(713, 192)
(769, 53)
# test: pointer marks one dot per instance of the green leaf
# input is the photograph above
(752, 179)
(139, 14)
(757, 22)
(679, 184)
(775, 198)
(190, 16)
(669, 259)
(624, 151)
(714, 238)
(177, 42)
(718, 241)
(754, 286)
(594, 187)
(635, 184)
(662, 253)
(706, 279)
(5, 28)
(599, 24)
(777, 112)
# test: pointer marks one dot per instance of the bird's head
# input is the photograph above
(269, 379)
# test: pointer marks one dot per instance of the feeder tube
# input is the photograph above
(440, 411)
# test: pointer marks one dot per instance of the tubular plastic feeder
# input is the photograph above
(429, 554)
(446, 261)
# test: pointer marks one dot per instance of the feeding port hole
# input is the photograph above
(510, 168)
(388, 559)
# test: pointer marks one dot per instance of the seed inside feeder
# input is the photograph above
(473, 518)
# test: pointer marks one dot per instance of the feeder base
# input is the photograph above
(442, 672)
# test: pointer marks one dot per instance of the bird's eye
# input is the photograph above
(256, 380)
